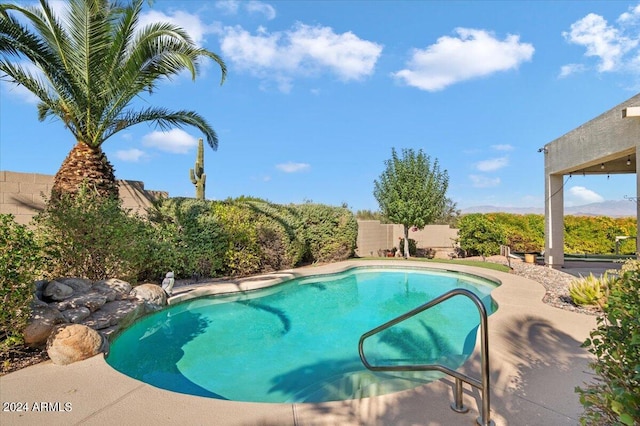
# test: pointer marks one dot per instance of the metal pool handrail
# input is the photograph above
(482, 385)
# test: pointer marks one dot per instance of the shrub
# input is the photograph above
(20, 264)
(589, 291)
(194, 241)
(92, 237)
(479, 235)
(330, 232)
(523, 233)
(615, 399)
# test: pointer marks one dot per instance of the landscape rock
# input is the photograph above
(79, 285)
(57, 291)
(105, 290)
(151, 294)
(76, 315)
(74, 342)
(99, 320)
(119, 286)
(92, 300)
(42, 322)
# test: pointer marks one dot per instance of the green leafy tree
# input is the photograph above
(92, 62)
(411, 191)
(479, 235)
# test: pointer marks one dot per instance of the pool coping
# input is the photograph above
(535, 361)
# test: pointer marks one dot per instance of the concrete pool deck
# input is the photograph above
(535, 361)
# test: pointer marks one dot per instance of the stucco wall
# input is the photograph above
(374, 236)
(23, 194)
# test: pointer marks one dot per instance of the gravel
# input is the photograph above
(554, 281)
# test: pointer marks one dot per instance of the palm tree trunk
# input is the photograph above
(85, 164)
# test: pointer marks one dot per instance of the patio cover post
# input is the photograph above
(554, 221)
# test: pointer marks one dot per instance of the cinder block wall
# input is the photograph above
(23, 194)
(374, 236)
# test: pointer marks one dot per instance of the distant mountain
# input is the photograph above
(620, 208)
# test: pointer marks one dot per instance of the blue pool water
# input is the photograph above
(298, 341)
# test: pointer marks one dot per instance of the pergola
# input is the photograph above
(608, 144)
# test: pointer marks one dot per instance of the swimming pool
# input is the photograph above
(298, 341)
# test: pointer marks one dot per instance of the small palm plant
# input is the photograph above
(591, 290)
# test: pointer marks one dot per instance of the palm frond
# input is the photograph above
(165, 120)
(94, 60)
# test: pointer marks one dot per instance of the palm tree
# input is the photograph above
(91, 63)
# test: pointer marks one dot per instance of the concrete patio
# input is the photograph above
(535, 360)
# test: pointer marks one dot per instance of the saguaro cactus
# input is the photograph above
(198, 176)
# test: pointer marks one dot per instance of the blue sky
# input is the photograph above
(319, 92)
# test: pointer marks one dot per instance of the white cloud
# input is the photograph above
(262, 8)
(176, 141)
(228, 6)
(302, 51)
(567, 70)
(631, 17)
(479, 181)
(502, 147)
(232, 7)
(18, 91)
(614, 46)
(133, 155)
(492, 164)
(473, 53)
(191, 23)
(581, 195)
(291, 167)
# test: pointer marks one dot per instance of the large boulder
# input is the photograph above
(151, 294)
(42, 322)
(76, 315)
(57, 291)
(79, 285)
(93, 301)
(119, 286)
(75, 342)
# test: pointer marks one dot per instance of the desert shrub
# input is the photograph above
(92, 237)
(248, 235)
(285, 222)
(330, 232)
(589, 291)
(20, 264)
(615, 343)
(480, 235)
(193, 240)
(242, 252)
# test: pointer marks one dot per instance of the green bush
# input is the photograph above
(20, 264)
(582, 234)
(480, 235)
(92, 237)
(330, 232)
(614, 398)
(194, 241)
(523, 233)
